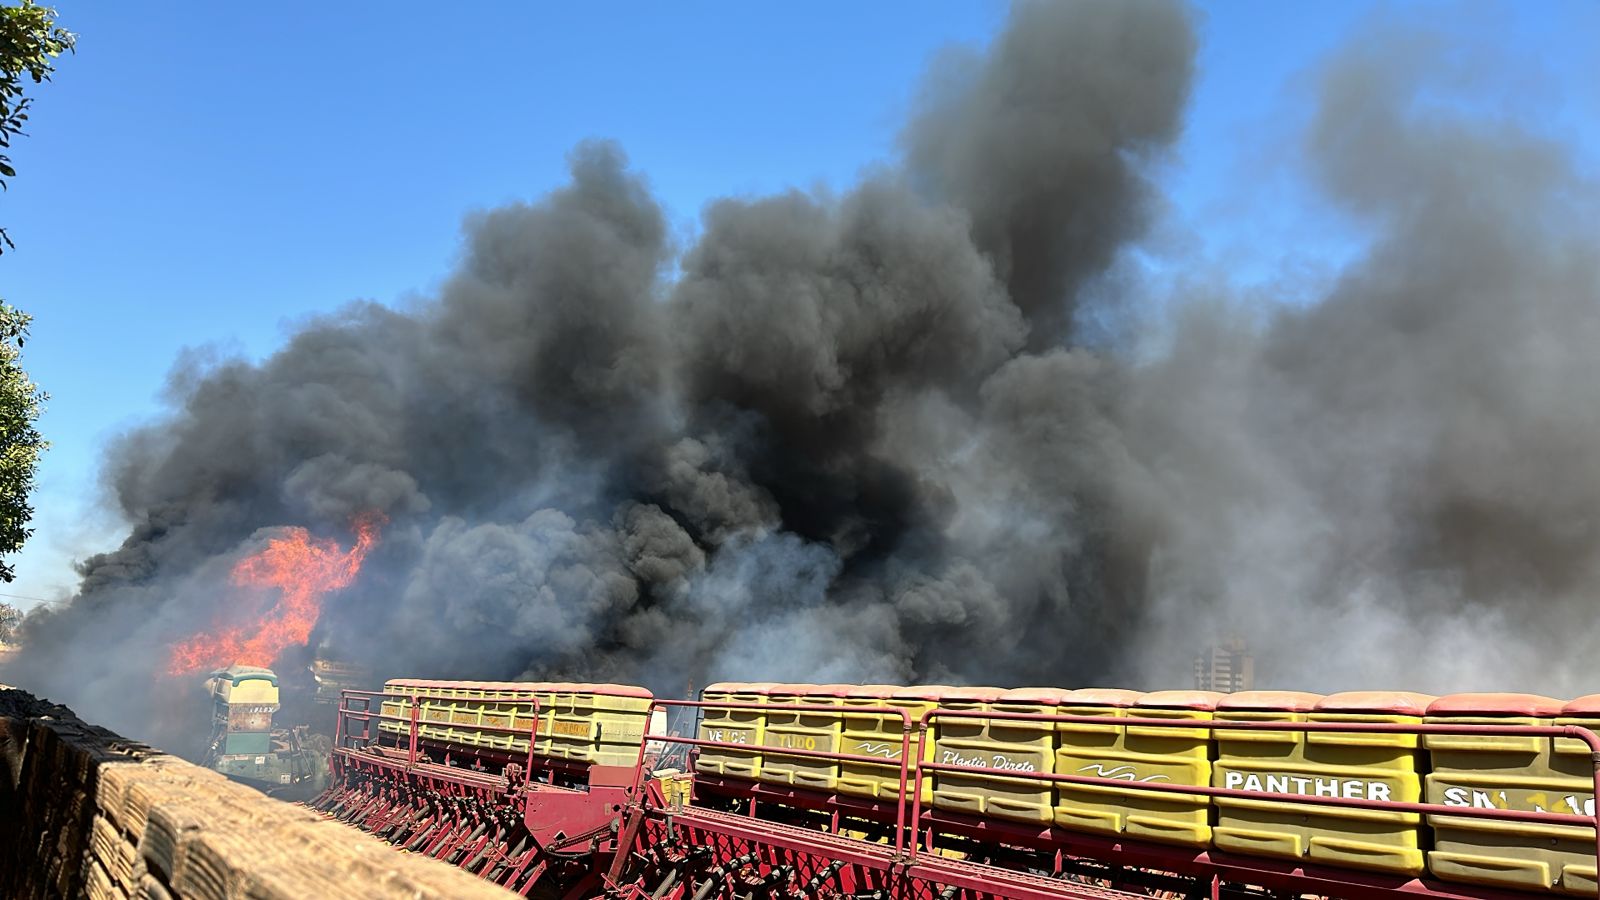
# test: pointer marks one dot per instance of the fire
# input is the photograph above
(303, 569)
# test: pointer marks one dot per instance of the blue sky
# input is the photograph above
(200, 177)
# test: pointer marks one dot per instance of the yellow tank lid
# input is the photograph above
(1049, 696)
(1270, 701)
(740, 687)
(871, 691)
(1202, 700)
(1404, 703)
(1495, 705)
(1588, 705)
(1120, 697)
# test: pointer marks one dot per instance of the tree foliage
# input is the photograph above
(20, 442)
(30, 40)
(10, 618)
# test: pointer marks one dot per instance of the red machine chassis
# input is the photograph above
(563, 829)
(525, 821)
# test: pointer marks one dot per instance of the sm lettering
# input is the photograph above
(1460, 796)
(1572, 803)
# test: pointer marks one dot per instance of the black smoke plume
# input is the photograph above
(868, 437)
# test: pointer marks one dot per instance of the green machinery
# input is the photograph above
(244, 745)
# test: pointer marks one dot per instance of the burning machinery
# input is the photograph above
(245, 746)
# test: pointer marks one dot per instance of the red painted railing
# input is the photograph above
(414, 721)
(1510, 815)
(909, 798)
(900, 828)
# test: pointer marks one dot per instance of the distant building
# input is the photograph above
(1226, 667)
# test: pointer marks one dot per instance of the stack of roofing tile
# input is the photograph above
(101, 817)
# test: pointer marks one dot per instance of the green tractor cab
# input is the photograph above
(244, 745)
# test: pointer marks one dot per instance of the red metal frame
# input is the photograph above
(472, 814)
(1511, 815)
(905, 744)
(619, 835)
(414, 720)
(923, 870)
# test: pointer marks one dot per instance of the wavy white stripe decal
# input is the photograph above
(1122, 773)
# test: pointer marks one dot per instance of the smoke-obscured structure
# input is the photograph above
(870, 437)
(1226, 667)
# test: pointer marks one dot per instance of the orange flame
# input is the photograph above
(303, 569)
